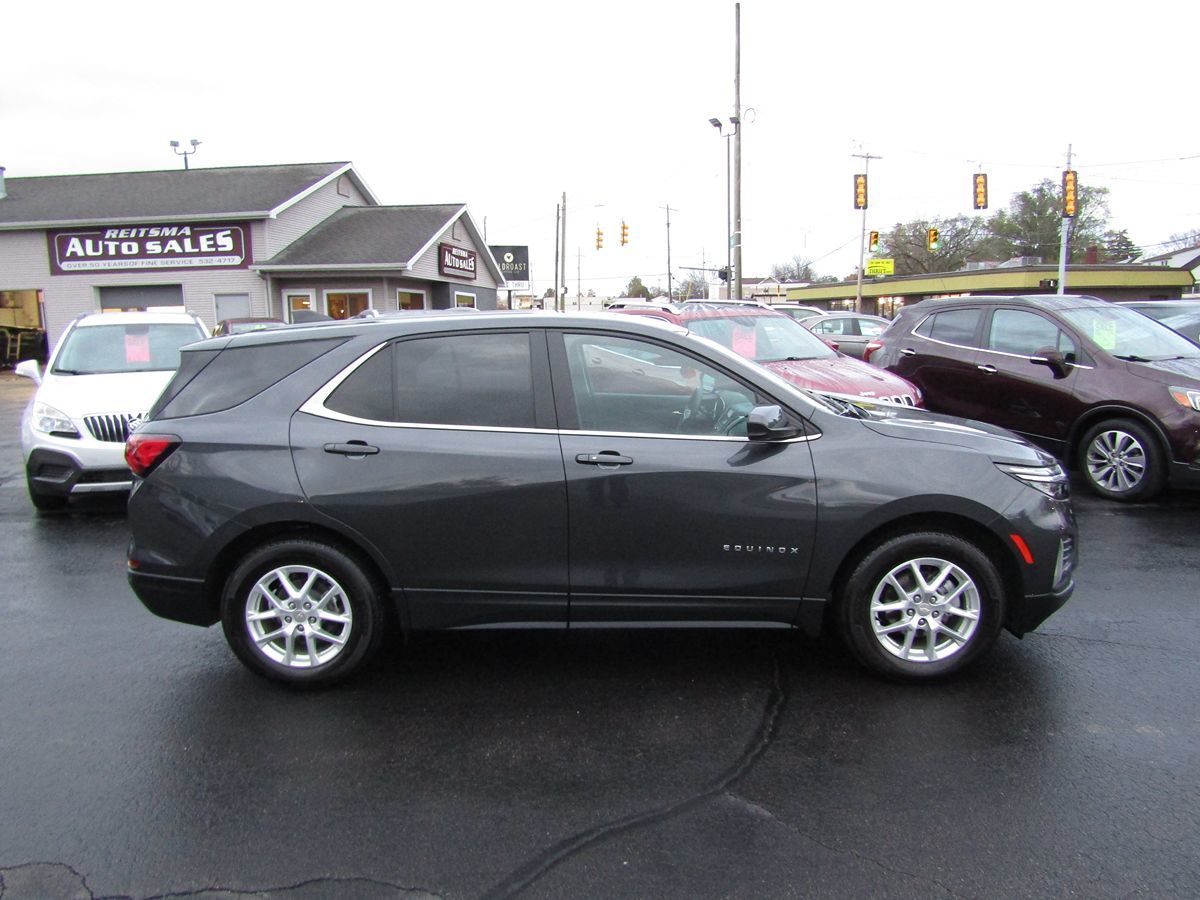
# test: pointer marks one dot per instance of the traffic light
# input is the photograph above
(723, 273)
(860, 191)
(1070, 195)
(874, 241)
(599, 238)
(624, 233)
(932, 240)
(980, 191)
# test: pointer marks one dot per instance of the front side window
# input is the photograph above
(631, 386)
(125, 347)
(483, 380)
(1024, 333)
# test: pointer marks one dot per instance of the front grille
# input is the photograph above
(113, 428)
(902, 399)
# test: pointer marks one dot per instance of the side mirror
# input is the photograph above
(769, 423)
(29, 369)
(1053, 360)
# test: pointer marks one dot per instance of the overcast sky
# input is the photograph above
(506, 105)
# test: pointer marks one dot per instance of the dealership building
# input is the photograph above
(230, 243)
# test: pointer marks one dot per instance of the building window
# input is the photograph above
(410, 300)
(346, 304)
(464, 299)
(294, 301)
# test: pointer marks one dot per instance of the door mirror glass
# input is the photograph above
(1052, 359)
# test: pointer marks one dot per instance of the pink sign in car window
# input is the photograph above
(137, 348)
(743, 340)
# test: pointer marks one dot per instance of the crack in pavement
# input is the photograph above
(1090, 640)
(763, 812)
(557, 854)
(52, 879)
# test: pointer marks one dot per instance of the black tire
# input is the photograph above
(1122, 460)
(973, 614)
(317, 646)
(42, 502)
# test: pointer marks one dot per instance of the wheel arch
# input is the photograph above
(1098, 414)
(1003, 556)
(227, 557)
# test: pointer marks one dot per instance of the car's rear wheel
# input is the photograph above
(1121, 460)
(303, 612)
(42, 501)
(921, 605)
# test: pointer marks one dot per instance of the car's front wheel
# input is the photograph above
(303, 612)
(921, 605)
(1121, 460)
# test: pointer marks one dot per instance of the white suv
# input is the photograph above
(103, 375)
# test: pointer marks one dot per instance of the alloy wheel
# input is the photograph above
(298, 616)
(925, 610)
(1116, 460)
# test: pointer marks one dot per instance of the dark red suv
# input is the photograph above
(1112, 392)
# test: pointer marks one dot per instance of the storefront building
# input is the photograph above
(230, 243)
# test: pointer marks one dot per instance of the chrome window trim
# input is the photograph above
(315, 406)
(1026, 358)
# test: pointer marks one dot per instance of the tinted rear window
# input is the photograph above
(954, 326)
(465, 379)
(234, 376)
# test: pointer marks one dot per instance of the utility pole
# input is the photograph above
(578, 279)
(557, 237)
(736, 237)
(560, 303)
(862, 238)
(670, 294)
(1066, 230)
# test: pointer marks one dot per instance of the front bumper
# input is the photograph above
(1034, 609)
(58, 474)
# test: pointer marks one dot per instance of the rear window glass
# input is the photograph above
(464, 379)
(124, 347)
(954, 326)
(237, 374)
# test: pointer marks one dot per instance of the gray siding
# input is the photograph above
(316, 207)
(427, 265)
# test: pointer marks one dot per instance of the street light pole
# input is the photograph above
(736, 237)
(1063, 248)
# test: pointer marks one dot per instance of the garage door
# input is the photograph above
(144, 296)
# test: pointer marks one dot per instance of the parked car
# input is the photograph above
(1181, 315)
(241, 326)
(307, 487)
(1110, 391)
(798, 311)
(788, 349)
(100, 379)
(850, 331)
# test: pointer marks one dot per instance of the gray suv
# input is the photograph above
(309, 487)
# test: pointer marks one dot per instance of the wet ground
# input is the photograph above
(138, 758)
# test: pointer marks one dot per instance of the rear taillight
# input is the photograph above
(143, 452)
(871, 347)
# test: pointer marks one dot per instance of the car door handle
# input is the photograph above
(352, 448)
(606, 458)
(908, 352)
(991, 370)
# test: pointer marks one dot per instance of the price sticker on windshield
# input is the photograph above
(1105, 334)
(137, 348)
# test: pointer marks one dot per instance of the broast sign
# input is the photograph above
(149, 247)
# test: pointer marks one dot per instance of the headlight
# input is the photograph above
(49, 420)
(1186, 397)
(1050, 480)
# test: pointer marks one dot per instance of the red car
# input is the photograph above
(781, 344)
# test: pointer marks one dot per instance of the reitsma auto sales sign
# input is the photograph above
(183, 246)
(514, 266)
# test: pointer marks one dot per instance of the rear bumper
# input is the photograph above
(178, 599)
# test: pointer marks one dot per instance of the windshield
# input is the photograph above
(124, 347)
(1129, 335)
(762, 338)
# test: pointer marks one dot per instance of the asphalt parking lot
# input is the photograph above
(139, 759)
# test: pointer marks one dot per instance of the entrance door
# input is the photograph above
(675, 514)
